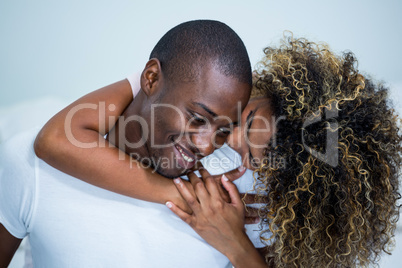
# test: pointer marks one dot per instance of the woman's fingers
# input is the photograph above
(233, 192)
(251, 220)
(235, 173)
(204, 173)
(199, 187)
(252, 215)
(222, 191)
(184, 216)
(186, 194)
(254, 199)
(210, 183)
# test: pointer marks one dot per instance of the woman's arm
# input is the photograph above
(221, 224)
(86, 121)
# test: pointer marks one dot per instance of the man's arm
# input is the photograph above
(8, 246)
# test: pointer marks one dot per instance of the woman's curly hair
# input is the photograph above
(331, 170)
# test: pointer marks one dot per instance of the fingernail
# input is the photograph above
(224, 177)
(241, 168)
(177, 180)
(169, 204)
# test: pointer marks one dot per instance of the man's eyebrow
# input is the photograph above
(208, 110)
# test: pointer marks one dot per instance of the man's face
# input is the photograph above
(190, 120)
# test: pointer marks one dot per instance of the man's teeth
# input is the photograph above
(187, 158)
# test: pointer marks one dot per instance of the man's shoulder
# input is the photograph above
(17, 182)
(19, 150)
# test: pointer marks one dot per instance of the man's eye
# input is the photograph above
(225, 131)
(197, 119)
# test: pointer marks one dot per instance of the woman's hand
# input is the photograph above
(178, 199)
(220, 223)
(232, 175)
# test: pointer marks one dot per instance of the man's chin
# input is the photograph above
(171, 174)
(168, 168)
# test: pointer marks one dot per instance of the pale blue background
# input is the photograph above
(68, 48)
(52, 52)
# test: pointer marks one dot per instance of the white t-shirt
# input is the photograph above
(73, 224)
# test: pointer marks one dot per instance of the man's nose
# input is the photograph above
(204, 142)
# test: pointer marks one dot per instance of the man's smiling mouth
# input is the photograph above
(184, 155)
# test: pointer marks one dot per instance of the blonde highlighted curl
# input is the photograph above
(321, 214)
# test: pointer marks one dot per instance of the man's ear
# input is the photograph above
(151, 77)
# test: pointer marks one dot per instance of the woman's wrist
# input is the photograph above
(243, 254)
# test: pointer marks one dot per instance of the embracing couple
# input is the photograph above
(320, 159)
